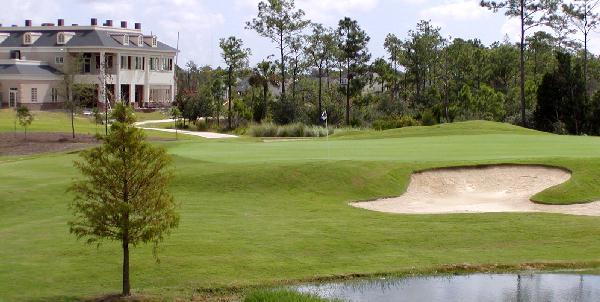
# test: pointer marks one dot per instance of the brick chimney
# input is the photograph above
(123, 24)
(94, 22)
(138, 26)
(61, 22)
(108, 23)
(28, 23)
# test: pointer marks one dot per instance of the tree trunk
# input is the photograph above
(348, 94)
(126, 283)
(265, 93)
(320, 91)
(282, 67)
(585, 63)
(522, 65)
(73, 121)
(229, 76)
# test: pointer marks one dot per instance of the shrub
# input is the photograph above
(395, 122)
(427, 118)
(291, 130)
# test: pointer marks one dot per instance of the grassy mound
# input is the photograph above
(258, 214)
(460, 128)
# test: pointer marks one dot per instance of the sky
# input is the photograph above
(201, 23)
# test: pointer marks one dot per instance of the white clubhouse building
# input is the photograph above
(121, 63)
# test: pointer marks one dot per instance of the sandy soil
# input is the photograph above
(479, 190)
(42, 142)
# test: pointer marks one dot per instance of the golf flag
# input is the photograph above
(324, 116)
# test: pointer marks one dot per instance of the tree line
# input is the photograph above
(548, 80)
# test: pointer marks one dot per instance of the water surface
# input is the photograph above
(465, 288)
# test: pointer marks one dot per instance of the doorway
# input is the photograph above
(13, 97)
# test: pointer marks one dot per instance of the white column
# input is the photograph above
(102, 88)
(147, 80)
(118, 79)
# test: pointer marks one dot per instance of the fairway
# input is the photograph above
(255, 213)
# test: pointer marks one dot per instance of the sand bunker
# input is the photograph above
(506, 188)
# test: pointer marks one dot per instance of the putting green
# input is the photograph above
(258, 213)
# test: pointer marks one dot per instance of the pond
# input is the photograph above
(476, 287)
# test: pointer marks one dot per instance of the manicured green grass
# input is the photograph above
(60, 121)
(256, 214)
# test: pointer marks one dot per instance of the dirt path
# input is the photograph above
(211, 135)
(480, 190)
(43, 142)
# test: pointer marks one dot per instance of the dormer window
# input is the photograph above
(4, 36)
(151, 40)
(140, 41)
(30, 38)
(63, 38)
(125, 39)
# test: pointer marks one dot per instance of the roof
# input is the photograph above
(28, 70)
(82, 38)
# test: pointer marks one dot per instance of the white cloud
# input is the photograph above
(322, 10)
(457, 10)
(16, 11)
(511, 29)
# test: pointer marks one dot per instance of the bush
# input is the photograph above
(291, 130)
(395, 122)
(280, 296)
(427, 119)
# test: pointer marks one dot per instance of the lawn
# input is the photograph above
(256, 214)
(60, 121)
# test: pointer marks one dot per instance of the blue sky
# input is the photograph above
(202, 22)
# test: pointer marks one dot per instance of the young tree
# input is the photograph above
(235, 56)
(582, 15)
(123, 194)
(280, 21)
(176, 115)
(72, 67)
(25, 118)
(531, 13)
(320, 48)
(355, 55)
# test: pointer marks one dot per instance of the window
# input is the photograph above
(140, 42)
(139, 64)
(164, 62)
(123, 62)
(15, 54)
(109, 62)
(154, 41)
(170, 64)
(54, 95)
(60, 39)
(153, 64)
(59, 60)
(87, 64)
(125, 39)
(34, 95)
(27, 39)
(129, 62)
